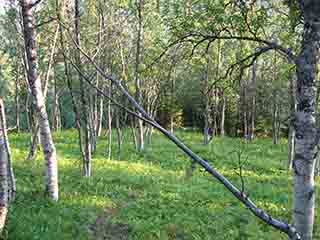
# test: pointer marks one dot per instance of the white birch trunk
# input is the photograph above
(12, 179)
(49, 151)
(3, 183)
(305, 123)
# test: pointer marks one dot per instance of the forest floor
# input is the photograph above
(151, 195)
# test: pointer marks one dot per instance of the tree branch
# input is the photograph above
(272, 45)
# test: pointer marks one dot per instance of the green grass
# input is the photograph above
(148, 196)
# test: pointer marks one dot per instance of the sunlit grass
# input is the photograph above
(149, 193)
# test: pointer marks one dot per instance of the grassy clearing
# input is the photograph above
(148, 196)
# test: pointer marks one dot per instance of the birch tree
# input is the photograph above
(137, 75)
(49, 151)
(3, 173)
(307, 135)
(84, 116)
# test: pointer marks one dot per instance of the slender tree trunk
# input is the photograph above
(317, 171)
(95, 108)
(215, 113)
(109, 123)
(149, 135)
(275, 117)
(151, 102)
(48, 147)
(3, 124)
(36, 130)
(238, 126)
(17, 99)
(68, 78)
(275, 105)
(243, 101)
(244, 110)
(119, 132)
(305, 122)
(173, 87)
(3, 183)
(100, 115)
(279, 121)
(35, 139)
(56, 116)
(56, 113)
(217, 91)
(140, 137)
(253, 102)
(207, 91)
(27, 110)
(92, 121)
(223, 113)
(84, 120)
(133, 131)
(99, 97)
(172, 122)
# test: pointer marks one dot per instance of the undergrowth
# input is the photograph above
(151, 195)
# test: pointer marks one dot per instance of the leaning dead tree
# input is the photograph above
(143, 115)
